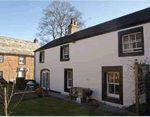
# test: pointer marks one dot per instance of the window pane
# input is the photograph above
(132, 38)
(126, 46)
(1, 58)
(116, 77)
(110, 77)
(116, 89)
(132, 45)
(47, 82)
(67, 50)
(43, 79)
(125, 39)
(66, 56)
(139, 44)
(111, 88)
(138, 36)
(68, 74)
(70, 82)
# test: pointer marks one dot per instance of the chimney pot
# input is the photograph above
(72, 20)
(35, 40)
(73, 27)
(75, 23)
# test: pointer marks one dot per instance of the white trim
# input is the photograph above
(21, 60)
(65, 53)
(69, 78)
(130, 50)
(110, 94)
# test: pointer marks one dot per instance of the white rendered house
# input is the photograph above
(96, 58)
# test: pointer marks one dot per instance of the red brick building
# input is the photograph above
(16, 58)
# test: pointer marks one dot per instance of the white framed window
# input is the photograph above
(69, 79)
(22, 60)
(132, 42)
(1, 58)
(113, 84)
(65, 52)
(1, 75)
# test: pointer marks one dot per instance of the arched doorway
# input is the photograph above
(45, 79)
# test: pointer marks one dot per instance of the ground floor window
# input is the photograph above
(68, 79)
(112, 84)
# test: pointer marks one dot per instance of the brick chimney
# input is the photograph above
(73, 27)
(35, 40)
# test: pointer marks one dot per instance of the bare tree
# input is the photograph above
(7, 93)
(57, 17)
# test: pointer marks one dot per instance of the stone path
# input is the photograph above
(117, 111)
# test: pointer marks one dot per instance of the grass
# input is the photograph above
(49, 106)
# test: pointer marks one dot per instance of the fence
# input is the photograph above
(140, 85)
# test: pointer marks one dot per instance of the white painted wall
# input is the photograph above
(87, 58)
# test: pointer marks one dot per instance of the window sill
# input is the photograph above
(131, 54)
(114, 100)
(41, 62)
(65, 59)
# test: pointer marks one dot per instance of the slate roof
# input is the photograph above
(16, 46)
(136, 18)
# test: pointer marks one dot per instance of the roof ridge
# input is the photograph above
(15, 39)
(125, 21)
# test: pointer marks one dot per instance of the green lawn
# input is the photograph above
(49, 106)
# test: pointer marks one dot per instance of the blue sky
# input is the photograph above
(19, 19)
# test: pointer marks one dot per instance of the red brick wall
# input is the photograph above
(10, 64)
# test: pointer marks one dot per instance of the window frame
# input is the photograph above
(19, 60)
(1, 75)
(47, 78)
(113, 83)
(106, 97)
(62, 54)
(66, 80)
(120, 42)
(2, 58)
(42, 57)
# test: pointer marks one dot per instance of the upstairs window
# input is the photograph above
(42, 57)
(64, 53)
(131, 42)
(1, 75)
(22, 60)
(1, 58)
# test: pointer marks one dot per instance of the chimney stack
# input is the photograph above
(73, 27)
(35, 40)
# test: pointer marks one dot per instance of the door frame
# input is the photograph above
(66, 88)
(41, 77)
